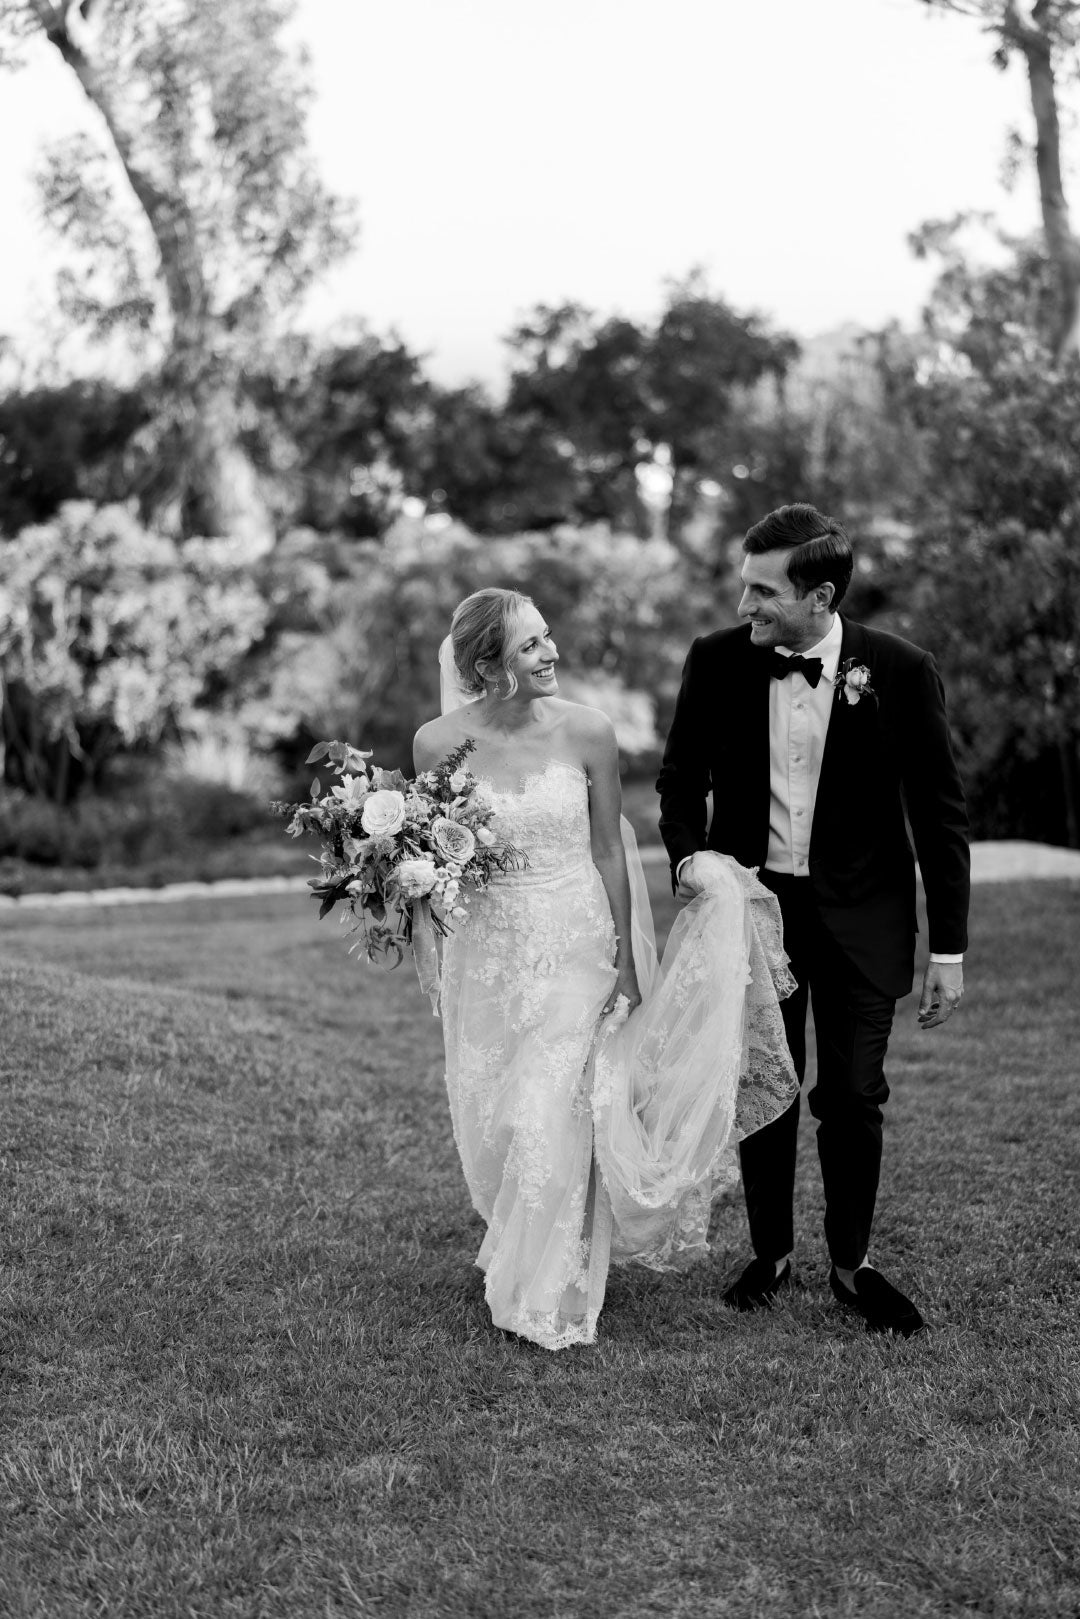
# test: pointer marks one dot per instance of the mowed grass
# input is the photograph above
(247, 1368)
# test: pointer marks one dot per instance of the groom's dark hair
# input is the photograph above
(820, 549)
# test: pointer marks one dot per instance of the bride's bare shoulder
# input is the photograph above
(585, 724)
(438, 737)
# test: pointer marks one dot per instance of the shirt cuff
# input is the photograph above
(682, 863)
(945, 961)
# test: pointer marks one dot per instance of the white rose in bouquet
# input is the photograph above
(414, 878)
(383, 813)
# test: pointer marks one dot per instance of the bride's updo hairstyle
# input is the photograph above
(483, 630)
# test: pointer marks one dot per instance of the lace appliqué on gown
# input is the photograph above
(524, 981)
(580, 1142)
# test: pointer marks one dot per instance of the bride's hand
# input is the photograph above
(626, 985)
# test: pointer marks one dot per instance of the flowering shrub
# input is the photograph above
(109, 636)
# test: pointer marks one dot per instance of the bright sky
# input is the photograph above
(506, 152)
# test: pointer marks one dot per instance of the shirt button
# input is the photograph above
(797, 759)
(800, 812)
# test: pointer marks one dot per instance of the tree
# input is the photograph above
(594, 397)
(702, 359)
(342, 429)
(995, 582)
(479, 466)
(349, 433)
(992, 575)
(194, 212)
(1046, 35)
(73, 442)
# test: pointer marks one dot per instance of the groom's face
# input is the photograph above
(778, 615)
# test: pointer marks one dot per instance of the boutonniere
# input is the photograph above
(853, 682)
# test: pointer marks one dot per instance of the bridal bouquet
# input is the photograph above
(400, 856)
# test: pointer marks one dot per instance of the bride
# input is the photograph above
(587, 1135)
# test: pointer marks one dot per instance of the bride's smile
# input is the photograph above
(533, 660)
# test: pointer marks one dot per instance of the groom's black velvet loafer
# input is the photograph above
(882, 1306)
(758, 1285)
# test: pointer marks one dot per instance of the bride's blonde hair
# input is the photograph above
(482, 630)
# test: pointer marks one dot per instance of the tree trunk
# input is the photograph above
(220, 492)
(1035, 41)
(221, 496)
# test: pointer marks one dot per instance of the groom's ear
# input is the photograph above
(825, 593)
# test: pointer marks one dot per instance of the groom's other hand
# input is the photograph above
(690, 885)
(942, 992)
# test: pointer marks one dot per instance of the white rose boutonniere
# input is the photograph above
(853, 683)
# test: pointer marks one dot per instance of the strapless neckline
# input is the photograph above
(531, 779)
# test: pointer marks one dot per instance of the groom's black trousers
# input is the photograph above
(852, 1021)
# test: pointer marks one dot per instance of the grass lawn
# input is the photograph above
(246, 1366)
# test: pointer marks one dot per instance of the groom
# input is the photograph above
(815, 735)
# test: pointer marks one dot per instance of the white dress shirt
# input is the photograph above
(799, 716)
(798, 725)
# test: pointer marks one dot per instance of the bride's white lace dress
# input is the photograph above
(579, 1142)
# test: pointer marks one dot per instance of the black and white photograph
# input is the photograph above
(540, 809)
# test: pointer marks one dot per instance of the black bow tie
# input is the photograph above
(810, 668)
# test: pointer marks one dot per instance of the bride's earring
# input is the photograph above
(494, 688)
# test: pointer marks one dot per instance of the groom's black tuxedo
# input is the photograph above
(850, 924)
(887, 751)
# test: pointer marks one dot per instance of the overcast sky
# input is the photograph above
(505, 152)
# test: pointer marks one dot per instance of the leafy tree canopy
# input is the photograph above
(992, 577)
(598, 395)
(78, 441)
(192, 212)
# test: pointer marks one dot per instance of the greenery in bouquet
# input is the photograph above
(394, 849)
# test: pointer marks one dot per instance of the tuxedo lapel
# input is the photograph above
(753, 701)
(846, 734)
